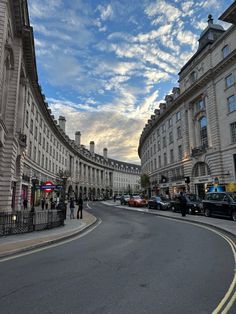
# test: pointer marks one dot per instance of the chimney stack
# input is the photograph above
(105, 153)
(92, 146)
(62, 123)
(77, 138)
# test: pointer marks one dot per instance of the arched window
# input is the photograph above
(203, 132)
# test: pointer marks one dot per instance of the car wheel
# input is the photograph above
(234, 215)
(173, 209)
(207, 212)
(191, 211)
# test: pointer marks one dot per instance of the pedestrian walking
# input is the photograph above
(72, 208)
(80, 208)
(114, 198)
(42, 203)
(25, 203)
(183, 203)
(46, 203)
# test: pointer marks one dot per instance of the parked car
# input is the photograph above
(220, 204)
(124, 199)
(159, 202)
(137, 201)
(194, 204)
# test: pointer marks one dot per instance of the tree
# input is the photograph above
(145, 182)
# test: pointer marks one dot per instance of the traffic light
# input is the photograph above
(187, 180)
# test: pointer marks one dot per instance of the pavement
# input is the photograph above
(225, 225)
(15, 244)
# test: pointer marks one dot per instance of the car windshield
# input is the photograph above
(126, 196)
(193, 197)
(233, 196)
(137, 197)
(164, 199)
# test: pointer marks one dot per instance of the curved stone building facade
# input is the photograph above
(189, 143)
(34, 147)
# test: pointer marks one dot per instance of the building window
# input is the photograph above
(40, 138)
(225, 51)
(201, 104)
(170, 137)
(170, 122)
(158, 132)
(35, 153)
(163, 127)
(180, 152)
(179, 134)
(231, 103)
(155, 164)
(171, 156)
(178, 116)
(159, 161)
(233, 132)
(159, 145)
(27, 118)
(165, 159)
(30, 149)
(203, 132)
(39, 157)
(36, 133)
(164, 142)
(31, 126)
(229, 80)
(193, 77)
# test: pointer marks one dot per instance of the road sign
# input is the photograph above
(48, 187)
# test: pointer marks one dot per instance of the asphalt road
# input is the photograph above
(132, 263)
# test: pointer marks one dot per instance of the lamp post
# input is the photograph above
(34, 181)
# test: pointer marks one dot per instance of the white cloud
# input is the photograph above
(106, 12)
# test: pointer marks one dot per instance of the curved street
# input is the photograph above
(131, 263)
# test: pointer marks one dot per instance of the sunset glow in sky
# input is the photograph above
(106, 65)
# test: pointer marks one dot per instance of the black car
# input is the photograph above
(124, 199)
(194, 204)
(159, 202)
(220, 204)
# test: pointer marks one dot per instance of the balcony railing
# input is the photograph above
(198, 151)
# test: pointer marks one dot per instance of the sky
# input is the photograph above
(106, 65)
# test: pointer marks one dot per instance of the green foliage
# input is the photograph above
(145, 182)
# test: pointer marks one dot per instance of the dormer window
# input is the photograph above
(225, 51)
(193, 77)
(201, 104)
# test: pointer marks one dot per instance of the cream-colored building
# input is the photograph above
(34, 147)
(192, 136)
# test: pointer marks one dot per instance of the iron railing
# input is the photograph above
(25, 221)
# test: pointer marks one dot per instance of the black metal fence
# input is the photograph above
(25, 221)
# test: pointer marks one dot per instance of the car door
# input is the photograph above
(219, 207)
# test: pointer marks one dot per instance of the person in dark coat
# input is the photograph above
(72, 208)
(61, 207)
(42, 203)
(25, 203)
(183, 204)
(80, 208)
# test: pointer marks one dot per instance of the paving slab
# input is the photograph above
(13, 244)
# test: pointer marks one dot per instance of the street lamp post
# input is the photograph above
(34, 180)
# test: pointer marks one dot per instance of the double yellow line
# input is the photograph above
(230, 296)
